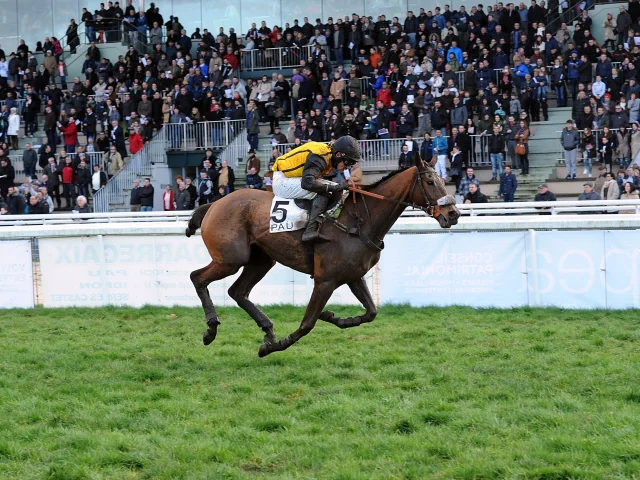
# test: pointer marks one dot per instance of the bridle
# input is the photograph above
(431, 209)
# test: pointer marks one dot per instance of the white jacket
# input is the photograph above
(14, 124)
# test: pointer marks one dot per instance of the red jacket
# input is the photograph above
(233, 60)
(171, 199)
(135, 143)
(70, 134)
(384, 96)
(67, 174)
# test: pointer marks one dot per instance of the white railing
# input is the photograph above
(118, 187)
(236, 152)
(202, 135)
(383, 154)
(274, 58)
(482, 210)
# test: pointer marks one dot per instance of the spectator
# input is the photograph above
(98, 179)
(112, 161)
(146, 196)
(570, 139)
(522, 147)
(508, 185)
(134, 201)
(46, 200)
(35, 206)
(7, 176)
(16, 204)
(193, 192)
(407, 157)
(81, 205)
(68, 186)
(467, 180)
(205, 188)
(253, 125)
(474, 195)
(252, 162)
(544, 195)
(13, 128)
(253, 180)
(610, 189)
(589, 193)
(226, 177)
(182, 199)
(440, 147)
(497, 146)
(630, 192)
(168, 199)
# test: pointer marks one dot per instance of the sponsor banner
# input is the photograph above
(569, 269)
(618, 270)
(481, 269)
(16, 274)
(155, 270)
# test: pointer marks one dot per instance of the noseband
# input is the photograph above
(433, 210)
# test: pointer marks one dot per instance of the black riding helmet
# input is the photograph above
(347, 149)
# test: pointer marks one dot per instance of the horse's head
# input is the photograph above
(430, 193)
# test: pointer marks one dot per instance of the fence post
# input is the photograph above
(534, 268)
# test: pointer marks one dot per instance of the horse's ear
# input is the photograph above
(419, 160)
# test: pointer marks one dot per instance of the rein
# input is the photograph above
(430, 209)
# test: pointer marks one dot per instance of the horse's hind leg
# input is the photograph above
(361, 291)
(319, 298)
(258, 267)
(201, 279)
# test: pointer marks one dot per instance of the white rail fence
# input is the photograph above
(273, 58)
(202, 135)
(485, 212)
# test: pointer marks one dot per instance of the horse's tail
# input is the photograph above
(196, 219)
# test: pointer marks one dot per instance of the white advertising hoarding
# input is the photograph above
(16, 274)
(154, 270)
(477, 269)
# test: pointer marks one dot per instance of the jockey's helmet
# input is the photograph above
(347, 149)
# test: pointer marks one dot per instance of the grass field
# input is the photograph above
(420, 393)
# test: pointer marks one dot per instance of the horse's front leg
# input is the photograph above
(361, 291)
(321, 294)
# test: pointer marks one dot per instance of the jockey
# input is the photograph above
(298, 174)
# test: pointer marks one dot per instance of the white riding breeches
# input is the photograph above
(290, 187)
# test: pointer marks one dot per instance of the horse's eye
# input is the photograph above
(430, 181)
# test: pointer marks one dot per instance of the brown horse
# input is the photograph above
(236, 232)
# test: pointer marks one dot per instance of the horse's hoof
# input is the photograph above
(263, 351)
(327, 316)
(209, 336)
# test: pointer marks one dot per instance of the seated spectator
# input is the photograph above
(610, 189)
(474, 195)
(253, 180)
(589, 193)
(630, 192)
(36, 206)
(544, 194)
(81, 205)
(252, 162)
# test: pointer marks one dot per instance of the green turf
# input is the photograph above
(420, 393)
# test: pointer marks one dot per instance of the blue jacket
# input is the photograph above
(426, 150)
(604, 69)
(483, 78)
(440, 143)
(572, 69)
(500, 60)
(508, 184)
(553, 43)
(457, 52)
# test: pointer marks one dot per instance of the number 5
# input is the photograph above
(277, 209)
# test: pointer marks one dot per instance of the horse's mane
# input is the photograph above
(382, 180)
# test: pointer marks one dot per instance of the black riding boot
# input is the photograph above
(312, 233)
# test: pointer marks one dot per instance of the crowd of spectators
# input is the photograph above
(468, 83)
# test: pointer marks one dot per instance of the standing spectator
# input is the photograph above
(146, 196)
(253, 125)
(83, 178)
(337, 44)
(68, 185)
(522, 147)
(496, 153)
(168, 199)
(205, 188)
(112, 161)
(134, 201)
(183, 199)
(7, 176)
(13, 128)
(589, 193)
(193, 192)
(29, 161)
(570, 139)
(623, 22)
(407, 157)
(50, 126)
(252, 162)
(98, 179)
(15, 201)
(226, 177)
(508, 185)
(440, 146)
(70, 132)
